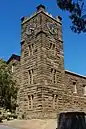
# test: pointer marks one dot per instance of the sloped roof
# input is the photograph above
(14, 56)
(75, 74)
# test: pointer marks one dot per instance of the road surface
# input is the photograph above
(5, 127)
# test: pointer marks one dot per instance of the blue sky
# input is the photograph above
(11, 12)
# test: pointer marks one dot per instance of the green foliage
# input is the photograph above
(1, 119)
(77, 14)
(8, 91)
(6, 114)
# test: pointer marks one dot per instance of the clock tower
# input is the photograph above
(42, 66)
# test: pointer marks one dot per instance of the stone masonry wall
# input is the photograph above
(75, 93)
(40, 62)
(45, 88)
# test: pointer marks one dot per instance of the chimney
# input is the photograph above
(40, 8)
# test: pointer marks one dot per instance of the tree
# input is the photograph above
(76, 8)
(8, 91)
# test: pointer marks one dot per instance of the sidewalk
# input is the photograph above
(32, 124)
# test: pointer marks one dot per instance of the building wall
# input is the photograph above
(42, 67)
(73, 79)
(76, 91)
(45, 88)
(31, 71)
(14, 65)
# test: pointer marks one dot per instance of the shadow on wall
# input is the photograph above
(72, 120)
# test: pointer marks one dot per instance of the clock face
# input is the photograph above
(52, 27)
(30, 29)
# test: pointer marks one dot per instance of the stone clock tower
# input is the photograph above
(42, 66)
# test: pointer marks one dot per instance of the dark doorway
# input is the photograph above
(72, 120)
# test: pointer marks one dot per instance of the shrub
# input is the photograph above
(1, 119)
(8, 118)
(14, 116)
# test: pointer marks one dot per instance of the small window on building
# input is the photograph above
(13, 68)
(50, 45)
(75, 87)
(53, 97)
(53, 75)
(84, 86)
(30, 49)
(30, 76)
(55, 100)
(53, 46)
(30, 101)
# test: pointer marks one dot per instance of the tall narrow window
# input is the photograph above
(29, 50)
(53, 46)
(30, 101)
(53, 75)
(54, 49)
(32, 97)
(55, 101)
(12, 68)
(75, 87)
(50, 45)
(30, 76)
(32, 48)
(84, 86)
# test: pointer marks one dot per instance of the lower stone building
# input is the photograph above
(45, 87)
